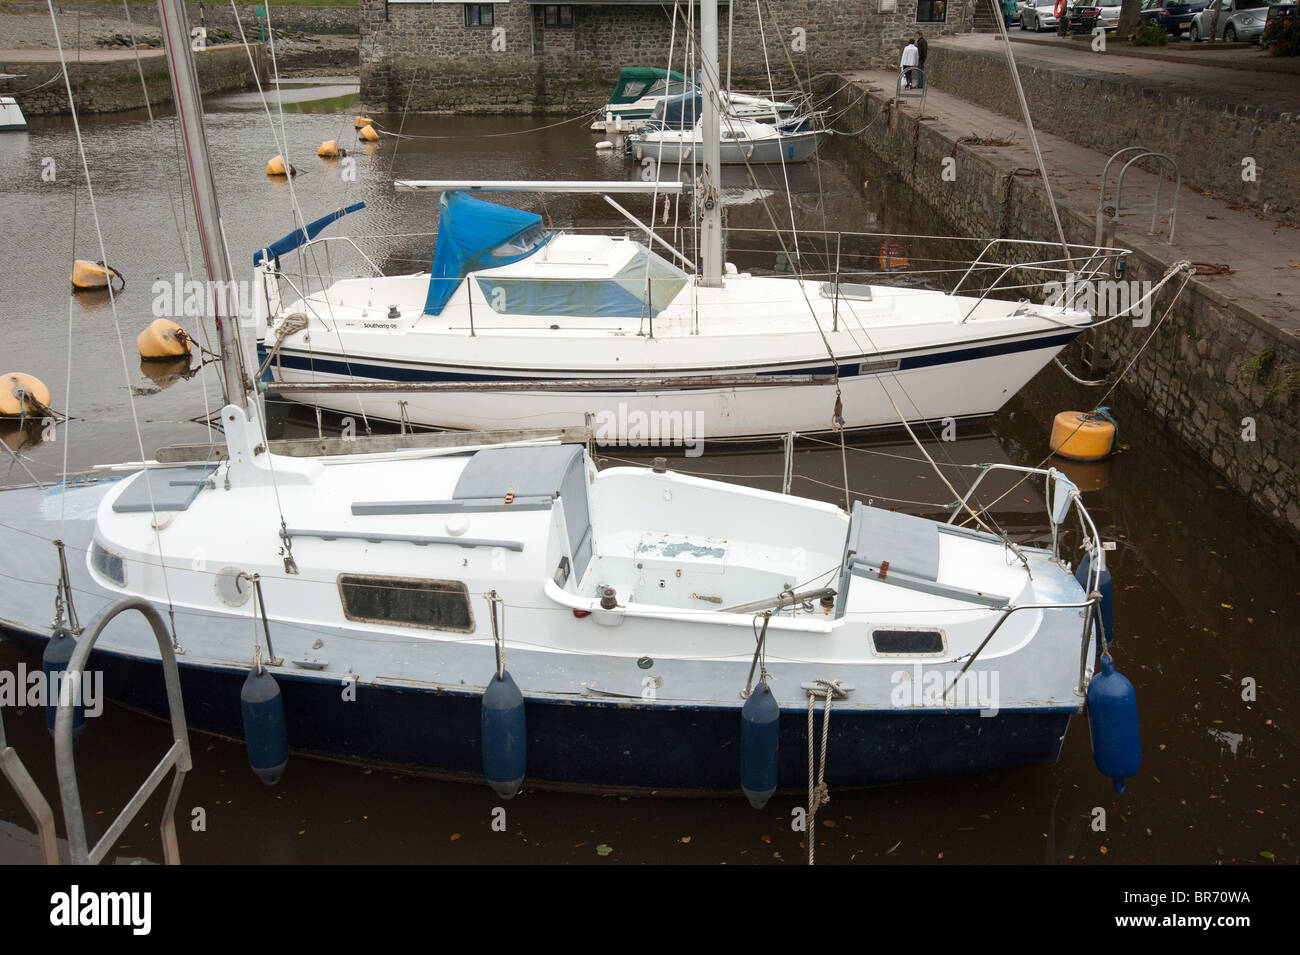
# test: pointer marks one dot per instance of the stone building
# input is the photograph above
(526, 55)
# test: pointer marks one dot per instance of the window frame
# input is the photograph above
(362, 579)
(559, 9)
(491, 16)
(943, 18)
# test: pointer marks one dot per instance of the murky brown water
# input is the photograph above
(1206, 591)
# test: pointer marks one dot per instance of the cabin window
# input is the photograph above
(107, 564)
(407, 602)
(907, 642)
(478, 14)
(931, 11)
(558, 15)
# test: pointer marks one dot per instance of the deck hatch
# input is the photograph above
(164, 489)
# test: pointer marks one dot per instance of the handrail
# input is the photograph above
(177, 755)
(31, 797)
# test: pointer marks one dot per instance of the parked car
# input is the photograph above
(1174, 15)
(1038, 17)
(1280, 11)
(1239, 20)
(1086, 15)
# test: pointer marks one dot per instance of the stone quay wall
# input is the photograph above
(106, 86)
(1213, 373)
(425, 51)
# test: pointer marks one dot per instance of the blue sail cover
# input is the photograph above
(680, 112)
(472, 235)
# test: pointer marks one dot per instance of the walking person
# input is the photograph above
(911, 57)
(922, 48)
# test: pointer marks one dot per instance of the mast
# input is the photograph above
(207, 215)
(711, 215)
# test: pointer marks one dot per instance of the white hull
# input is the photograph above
(955, 389)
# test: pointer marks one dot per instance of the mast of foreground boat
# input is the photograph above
(207, 213)
(708, 199)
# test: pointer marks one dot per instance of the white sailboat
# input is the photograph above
(627, 659)
(515, 324)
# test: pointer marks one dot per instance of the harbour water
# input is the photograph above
(1206, 590)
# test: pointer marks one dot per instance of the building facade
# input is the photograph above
(525, 55)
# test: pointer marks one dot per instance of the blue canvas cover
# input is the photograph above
(473, 234)
(680, 112)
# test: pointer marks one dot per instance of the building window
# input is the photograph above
(558, 15)
(478, 14)
(931, 11)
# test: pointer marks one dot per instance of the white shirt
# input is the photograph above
(911, 56)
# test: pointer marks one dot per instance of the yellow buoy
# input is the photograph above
(87, 275)
(275, 167)
(1082, 436)
(22, 394)
(163, 339)
(330, 149)
(368, 134)
(362, 121)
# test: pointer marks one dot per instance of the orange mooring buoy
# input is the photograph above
(361, 121)
(163, 340)
(88, 276)
(1083, 436)
(22, 394)
(330, 150)
(275, 167)
(368, 134)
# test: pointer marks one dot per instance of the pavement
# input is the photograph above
(1263, 253)
(1236, 56)
(1227, 76)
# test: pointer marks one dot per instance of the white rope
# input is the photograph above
(819, 793)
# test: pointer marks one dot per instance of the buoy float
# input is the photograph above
(88, 276)
(330, 150)
(163, 340)
(1083, 436)
(604, 144)
(22, 394)
(275, 167)
(361, 121)
(1113, 724)
(54, 664)
(368, 134)
(1105, 587)
(503, 736)
(265, 733)
(893, 255)
(760, 733)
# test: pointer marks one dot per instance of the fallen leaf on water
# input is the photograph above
(684, 840)
(766, 838)
(1226, 606)
(1104, 850)
(603, 850)
(829, 824)
(1267, 855)
(454, 837)
(578, 845)
(895, 846)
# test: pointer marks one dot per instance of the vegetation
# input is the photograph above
(1149, 33)
(1258, 364)
(1283, 37)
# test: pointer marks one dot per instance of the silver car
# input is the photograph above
(1038, 17)
(1239, 21)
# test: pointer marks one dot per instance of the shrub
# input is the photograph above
(1283, 37)
(1148, 33)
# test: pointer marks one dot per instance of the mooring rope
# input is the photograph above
(819, 793)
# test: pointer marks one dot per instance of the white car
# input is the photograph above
(1239, 21)
(1038, 17)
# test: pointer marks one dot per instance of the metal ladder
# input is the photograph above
(177, 755)
(1164, 162)
(904, 96)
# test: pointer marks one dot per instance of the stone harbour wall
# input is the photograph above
(106, 86)
(425, 51)
(1223, 379)
(1208, 134)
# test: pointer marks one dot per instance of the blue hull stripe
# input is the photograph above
(850, 368)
